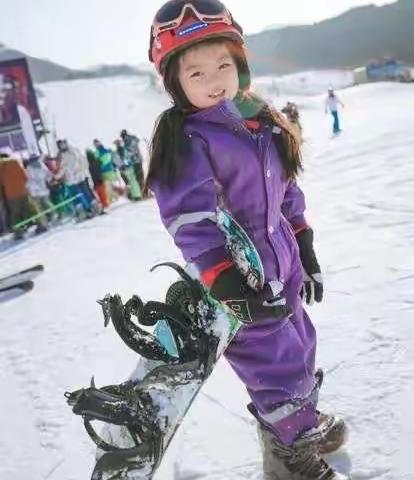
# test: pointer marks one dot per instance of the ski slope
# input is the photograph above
(360, 196)
(81, 110)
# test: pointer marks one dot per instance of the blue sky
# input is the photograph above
(80, 33)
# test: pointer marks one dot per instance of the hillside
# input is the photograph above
(346, 41)
(46, 71)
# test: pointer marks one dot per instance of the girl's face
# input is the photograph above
(208, 74)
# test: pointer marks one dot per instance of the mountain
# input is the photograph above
(346, 41)
(275, 26)
(47, 71)
(108, 71)
(41, 70)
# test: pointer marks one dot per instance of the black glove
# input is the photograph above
(313, 284)
(249, 306)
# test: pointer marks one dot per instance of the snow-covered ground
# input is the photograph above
(360, 196)
(81, 110)
(312, 82)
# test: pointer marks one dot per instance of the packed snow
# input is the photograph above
(359, 188)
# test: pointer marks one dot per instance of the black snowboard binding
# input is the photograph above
(189, 311)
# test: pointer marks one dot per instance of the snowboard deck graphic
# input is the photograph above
(242, 250)
(192, 330)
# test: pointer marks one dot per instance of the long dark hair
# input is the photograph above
(168, 142)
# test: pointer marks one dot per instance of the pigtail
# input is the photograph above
(286, 139)
(166, 149)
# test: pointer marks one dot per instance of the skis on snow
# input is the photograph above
(18, 283)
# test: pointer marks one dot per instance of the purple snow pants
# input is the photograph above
(275, 359)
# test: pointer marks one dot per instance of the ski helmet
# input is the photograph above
(181, 23)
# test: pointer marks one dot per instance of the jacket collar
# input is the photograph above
(225, 112)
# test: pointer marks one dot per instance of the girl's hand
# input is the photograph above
(248, 306)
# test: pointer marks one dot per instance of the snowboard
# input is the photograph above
(20, 277)
(15, 290)
(191, 332)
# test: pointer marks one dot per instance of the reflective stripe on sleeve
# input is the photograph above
(188, 218)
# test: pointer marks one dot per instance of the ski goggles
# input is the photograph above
(172, 14)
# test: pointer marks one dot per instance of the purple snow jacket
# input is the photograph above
(229, 166)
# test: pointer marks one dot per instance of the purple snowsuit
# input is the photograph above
(225, 162)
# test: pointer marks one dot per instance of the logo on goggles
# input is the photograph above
(191, 28)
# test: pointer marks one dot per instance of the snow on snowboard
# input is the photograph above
(192, 330)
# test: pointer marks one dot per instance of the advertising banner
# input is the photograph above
(19, 111)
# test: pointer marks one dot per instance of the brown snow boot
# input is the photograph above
(301, 461)
(333, 433)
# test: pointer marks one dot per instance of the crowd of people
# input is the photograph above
(42, 189)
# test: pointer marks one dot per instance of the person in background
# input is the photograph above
(38, 177)
(13, 183)
(292, 114)
(124, 164)
(58, 190)
(131, 144)
(4, 224)
(74, 169)
(105, 157)
(332, 104)
(97, 178)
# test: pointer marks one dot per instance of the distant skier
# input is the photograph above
(124, 164)
(74, 169)
(332, 104)
(97, 178)
(108, 169)
(38, 178)
(131, 145)
(205, 154)
(13, 183)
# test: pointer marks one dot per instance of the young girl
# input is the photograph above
(220, 145)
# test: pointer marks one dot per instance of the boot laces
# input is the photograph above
(304, 460)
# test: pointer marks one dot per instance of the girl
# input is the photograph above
(221, 145)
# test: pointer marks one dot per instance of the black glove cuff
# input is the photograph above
(310, 263)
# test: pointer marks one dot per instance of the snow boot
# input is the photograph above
(333, 433)
(80, 213)
(301, 461)
(19, 234)
(40, 229)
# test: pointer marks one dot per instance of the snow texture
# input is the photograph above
(359, 188)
